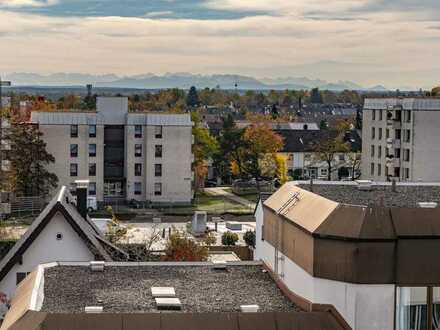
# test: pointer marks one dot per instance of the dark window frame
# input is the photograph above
(138, 131)
(92, 192)
(138, 147)
(158, 170)
(138, 191)
(92, 133)
(158, 151)
(92, 154)
(92, 169)
(158, 132)
(156, 191)
(74, 131)
(138, 169)
(75, 167)
(72, 153)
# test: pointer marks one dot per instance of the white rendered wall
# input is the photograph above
(364, 307)
(46, 248)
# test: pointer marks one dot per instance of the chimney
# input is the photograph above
(81, 197)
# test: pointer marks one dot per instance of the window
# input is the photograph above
(341, 157)
(406, 173)
(372, 169)
(412, 308)
(20, 277)
(138, 169)
(73, 131)
(158, 132)
(73, 150)
(158, 151)
(92, 131)
(92, 169)
(92, 150)
(380, 114)
(379, 169)
(137, 188)
(380, 133)
(138, 150)
(157, 189)
(92, 188)
(408, 116)
(157, 169)
(407, 135)
(373, 133)
(387, 133)
(406, 155)
(379, 152)
(372, 151)
(398, 134)
(373, 115)
(137, 131)
(73, 169)
(397, 153)
(324, 172)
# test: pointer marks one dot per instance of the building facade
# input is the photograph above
(401, 140)
(125, 156)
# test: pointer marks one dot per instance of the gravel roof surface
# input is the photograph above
(405, 195)
(68, 289)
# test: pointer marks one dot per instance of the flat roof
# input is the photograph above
(127, 289)
(406, 195)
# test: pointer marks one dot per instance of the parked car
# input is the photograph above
(210, 183)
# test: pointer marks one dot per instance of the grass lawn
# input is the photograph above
(210, 204)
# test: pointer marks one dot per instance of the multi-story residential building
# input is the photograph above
(125, 155)
(401, 139)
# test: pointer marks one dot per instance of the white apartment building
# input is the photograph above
(401, 139)
(125, 155)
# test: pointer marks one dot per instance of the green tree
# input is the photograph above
(29, 175)
(204, 148)
(192, 99)
(327, 150)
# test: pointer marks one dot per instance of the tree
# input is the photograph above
(192, 99)
(249, 238)
(115, 232)
(180, 247)
(327, 150)
(354, 161)
(29, 175)
(229, 238)
(204, 148)
(435, 91)
(260, 141)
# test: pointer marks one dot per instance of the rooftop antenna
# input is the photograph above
(285, 208)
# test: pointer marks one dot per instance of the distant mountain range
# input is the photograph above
(182, 80)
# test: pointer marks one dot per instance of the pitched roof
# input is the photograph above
(300, 206)
(62, 203)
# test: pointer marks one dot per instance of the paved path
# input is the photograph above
(220, 191)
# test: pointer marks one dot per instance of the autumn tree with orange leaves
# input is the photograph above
(261, 142)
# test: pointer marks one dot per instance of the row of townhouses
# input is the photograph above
(125, 155)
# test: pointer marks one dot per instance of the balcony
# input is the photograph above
(393, 143)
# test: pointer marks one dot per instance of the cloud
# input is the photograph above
(153, 14)
(26, 3)
(382, 46)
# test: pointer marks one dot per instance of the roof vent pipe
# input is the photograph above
(81, 197)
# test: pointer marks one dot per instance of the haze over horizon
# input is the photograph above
(370, 42)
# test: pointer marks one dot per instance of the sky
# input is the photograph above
(370, 42)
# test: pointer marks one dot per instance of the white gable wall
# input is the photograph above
(46, 248)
